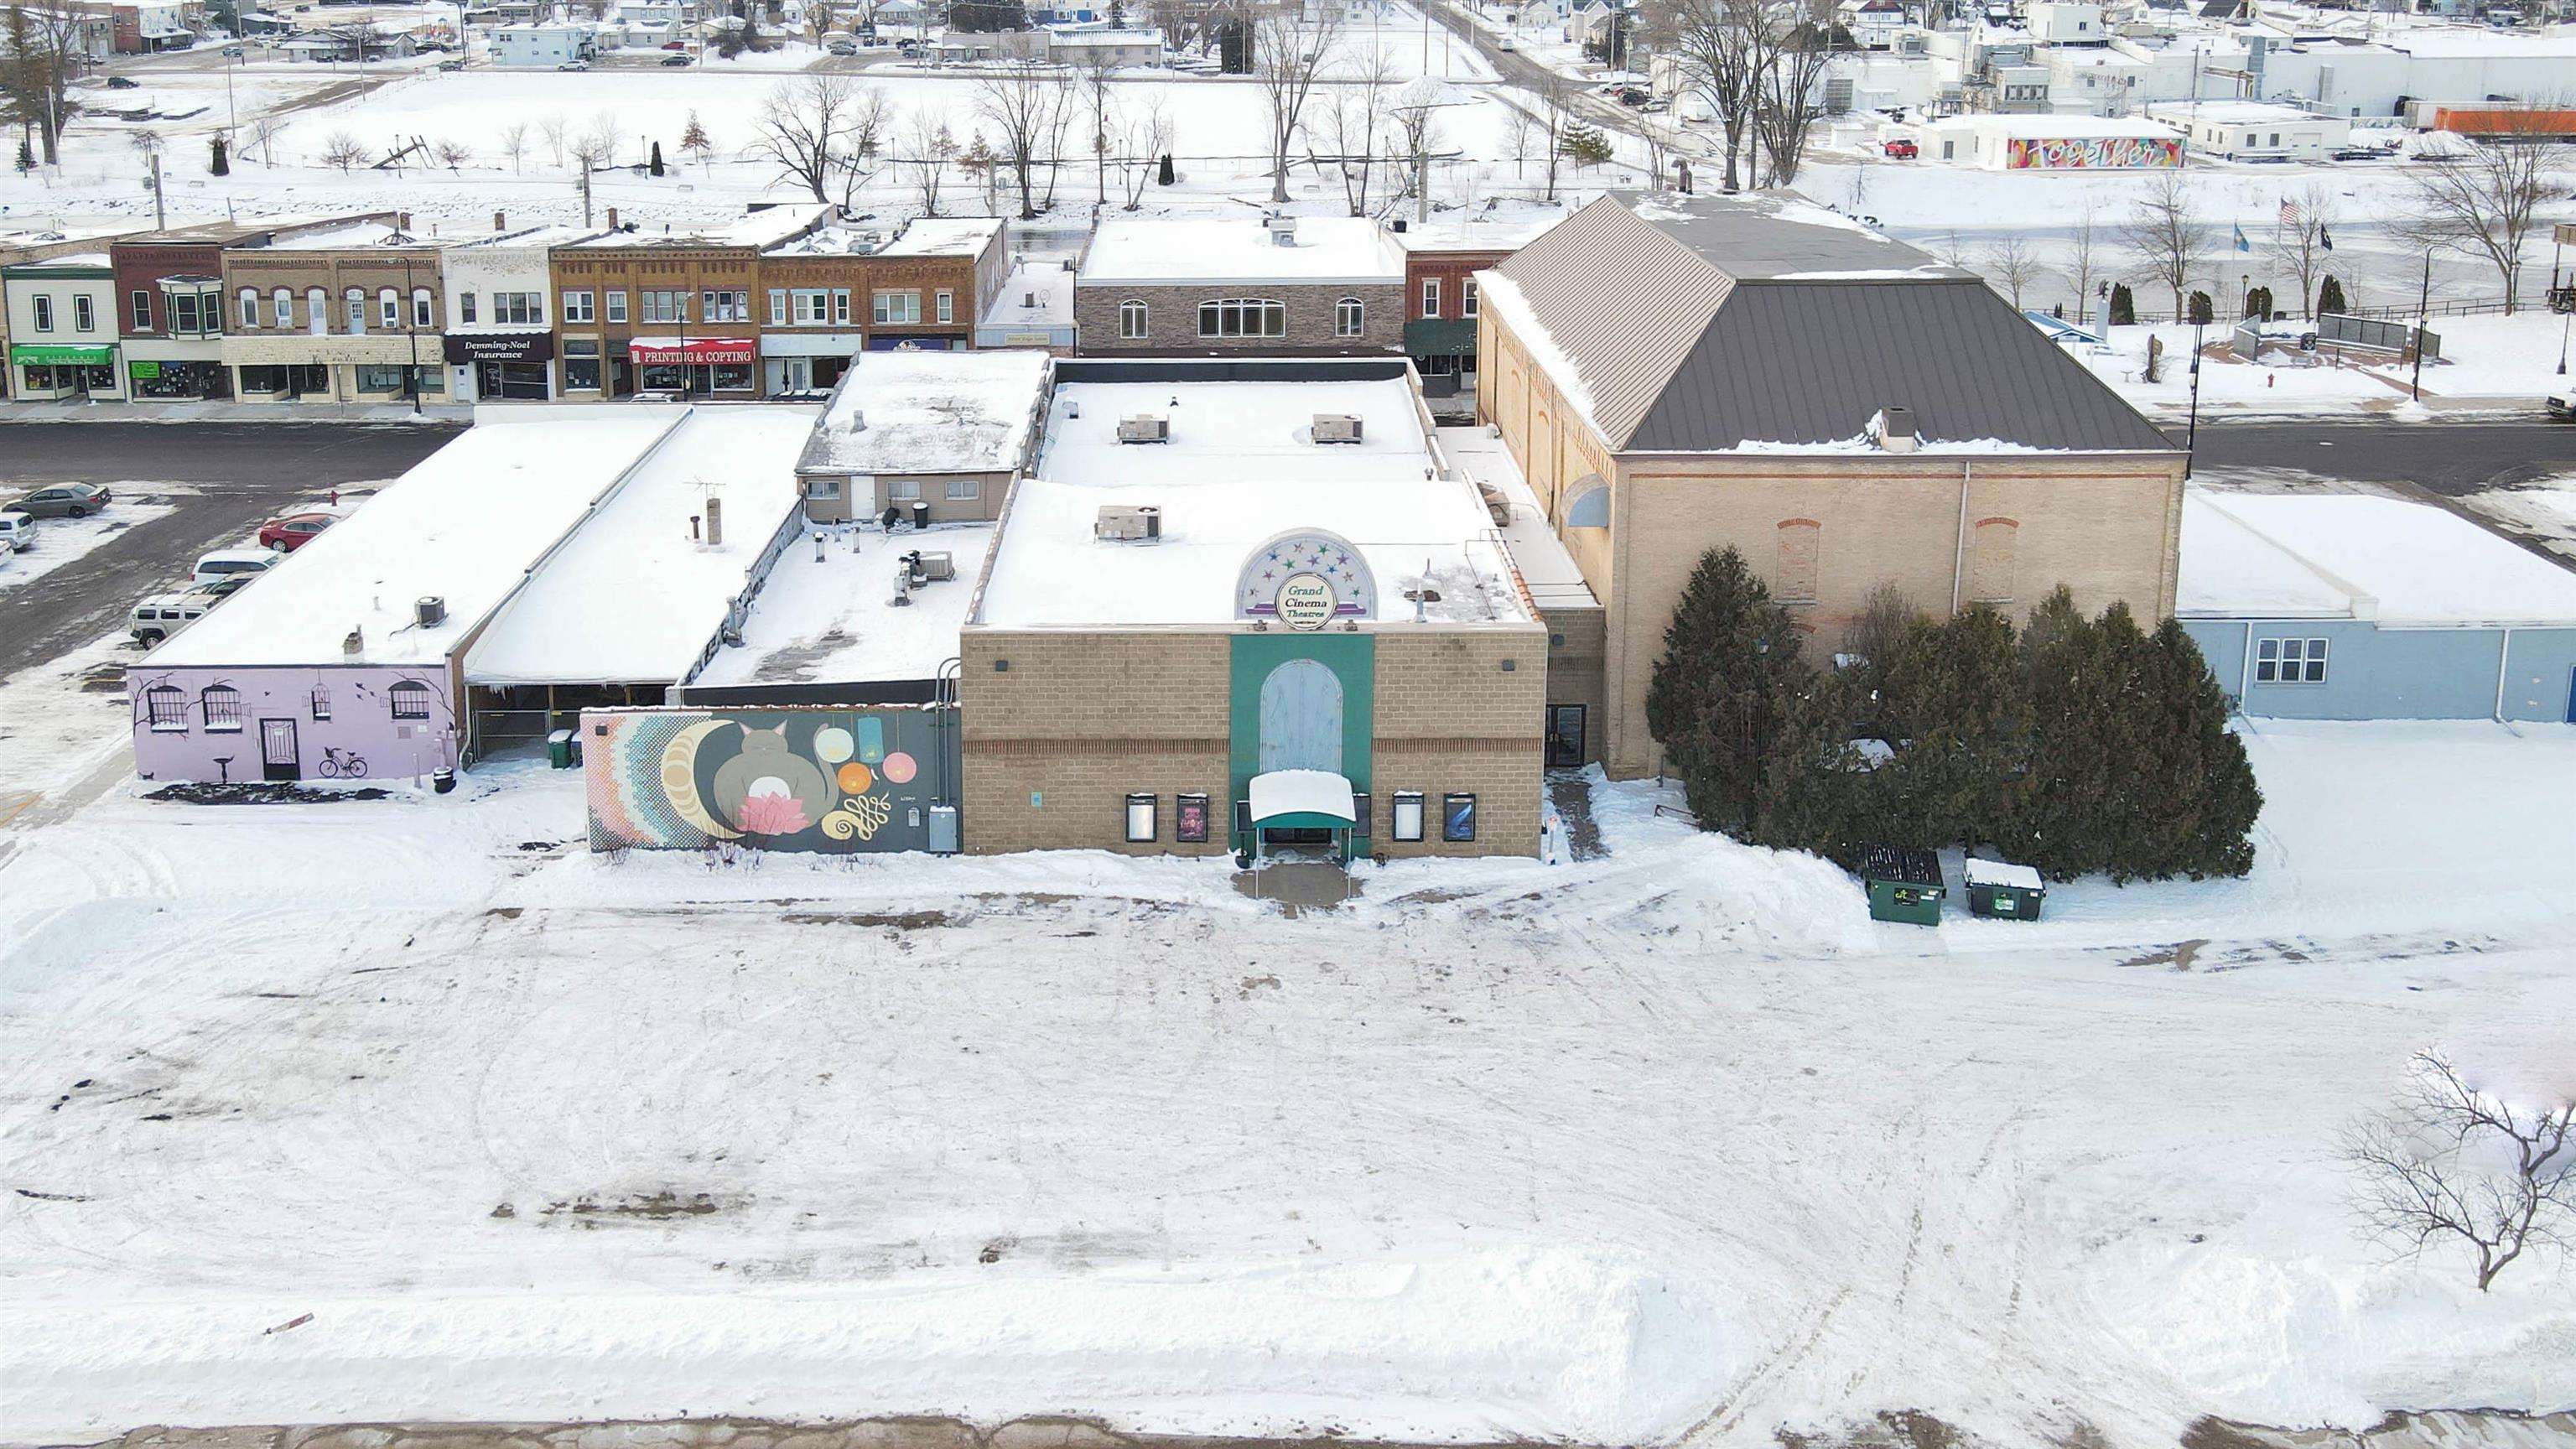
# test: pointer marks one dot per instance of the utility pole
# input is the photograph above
(411, 326)
(2423, 304)
(585, 195)
(160, 221)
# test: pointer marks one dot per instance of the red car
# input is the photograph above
(1901, 150)
(292, 532)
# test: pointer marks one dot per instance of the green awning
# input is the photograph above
(1440, 337)
(43, 352)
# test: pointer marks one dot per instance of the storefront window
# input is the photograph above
(263, 381)
(581, 365)
(373, 378)
(662, 377)
(38, 377)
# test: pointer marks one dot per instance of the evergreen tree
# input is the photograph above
(1583, 145)
(2202, 311)
(1817, 791)
(2205, 799)
(1117, 14)
(655, 165)
(2124, 306)
(2330, 294)
(217, 162)
(26, 156)
(1163, 174)
(1956, 704)
(1714, 702)
(2080, 706)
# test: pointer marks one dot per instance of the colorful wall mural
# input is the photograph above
(2091, 153)
(813, 779)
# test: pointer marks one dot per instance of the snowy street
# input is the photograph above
(1673, 1144)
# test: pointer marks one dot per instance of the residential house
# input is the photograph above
(1090, 46)
(543, 47)
(352, 313)
(1692, 382)
(62, 328)
(1873, 24)
(1270, 286)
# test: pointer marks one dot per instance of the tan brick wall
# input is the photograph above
(1575, 669)
(1448, 718)
(2108, 528)
(1082, 718)
(1172, 321)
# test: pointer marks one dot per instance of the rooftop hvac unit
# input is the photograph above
(1337, 428)
(1129, 523)
(429, 611)
(1896, 430)
(1145, 428)
(1283, 230)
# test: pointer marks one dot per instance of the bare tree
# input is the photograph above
(1725, 47)
(2083, 257)
(554, 129)
(1148, 136)
(1059, 132)
(145, 141)
(1355, 127)
(927, 147)
(1519, 136)
(2011, 265)
(869, 127)
(800, 127)
(2482, 199)
(1020, 98)
(596, 146)
(2452, 1162)
(264, 131)
(2305, 238)
(1416, 109)
(41, 52)
(343, 151)
(1287, 56)
(1789, 95)
(2165, 230)
(513, 140)
(1097, 103)
(452, 155)
(1550, 123)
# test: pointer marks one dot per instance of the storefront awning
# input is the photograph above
(1302, 793)
(695, 349)
(47, 352)
(528, 346)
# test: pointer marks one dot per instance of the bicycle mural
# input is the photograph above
(815, 779)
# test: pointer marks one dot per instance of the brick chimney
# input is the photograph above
(612, 218)
(500, 222)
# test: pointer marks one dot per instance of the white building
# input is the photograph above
(1874, 24)
(62, 328)
(1095, 46)
(2053, 143)
(543, 47)
(500, 344)
(2067, 22)
(2254, 130)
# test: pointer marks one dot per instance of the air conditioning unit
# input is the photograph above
(1336, 428)
(1145, 428)
(1129, 523)
(1497, 507)
(1283, 230)
(429, 611)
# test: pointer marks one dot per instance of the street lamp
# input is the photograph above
(2423, 306)
(411, 330)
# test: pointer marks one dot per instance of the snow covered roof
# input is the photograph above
(2359, 556)
(77, 261)
(1095, 39)
(466, 524)
(1328, 249)
(1301, 792)
(835, 622)
(1239, 471)
(1035, 294)
(1497, 231)
(765, 228)
(542, 238)
(945, 236)
(633, 596)
(1546, 567)
(2060, 127)
(929, 412)
(2230, 112)
(355, 236)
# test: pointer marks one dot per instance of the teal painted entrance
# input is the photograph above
(1300, 702)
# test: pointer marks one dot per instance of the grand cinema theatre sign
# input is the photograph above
(1305, 580)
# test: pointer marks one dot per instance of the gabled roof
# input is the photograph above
(1768, 323)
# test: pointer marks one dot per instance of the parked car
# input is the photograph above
(162, 615)
(121, 83)
(843, 47)
(17, 530)
(2562, 405)
(452, 65)
(1901, 149)
(224, 562)
(675, 45)
(63, 500)
(286, 535)
(232, 52)
(574, 65)
(675, 60)
(1505, 45)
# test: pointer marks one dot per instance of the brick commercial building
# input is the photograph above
(174, 311)
(1269, 287)
(1841, 409)
(347, 313)
(1441, 260)
(667, 311)
(840, 290)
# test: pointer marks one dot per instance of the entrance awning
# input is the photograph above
(39, 352)
(1317, 797)
(695, 349)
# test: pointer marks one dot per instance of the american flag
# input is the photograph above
(2289, 212)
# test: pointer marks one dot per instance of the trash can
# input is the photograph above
(1904, 885)
(920, 514)
(442, 780)
(2003, 890)
(559, 749)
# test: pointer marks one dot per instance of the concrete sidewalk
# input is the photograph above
(232, 412)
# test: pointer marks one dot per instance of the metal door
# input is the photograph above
(1565, 736)
(2571, 696)
(1301, 718)
(278, 757)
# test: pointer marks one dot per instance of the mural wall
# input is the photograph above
(813, 779)
(2091, 153)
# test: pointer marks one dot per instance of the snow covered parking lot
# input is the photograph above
(1668, 1144)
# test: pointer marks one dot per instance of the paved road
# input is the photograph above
(2453, 459)
(233, 475)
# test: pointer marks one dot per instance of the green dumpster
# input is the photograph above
(559, 749)
(2004, 890)
(1904, 885)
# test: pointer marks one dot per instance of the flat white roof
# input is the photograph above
(929, 412)
(1498, 230)
(836, 622)
(1239, 471)
(2360, 556)
(942, 236)
(632, 597)
(763, 228)
(534, 237)
(465, 524)
(2053, 127)
(1537, 551)
(1050, 282)
(1241, 249)
(352, 236)
(2226, 112)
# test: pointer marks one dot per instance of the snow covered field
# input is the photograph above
(1672, 1144)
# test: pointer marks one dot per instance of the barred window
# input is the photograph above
(410, 699)
(223, 708)
(167, 706)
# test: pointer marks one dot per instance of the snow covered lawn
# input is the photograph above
(57, 541)
(1673, 1144)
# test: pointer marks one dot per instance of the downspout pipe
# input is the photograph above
(2504, 657)
(1959, 558)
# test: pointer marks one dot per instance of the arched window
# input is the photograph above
(1990, 568)
(422, 315)
(1131, 319)
(357, 305)
(284, 301)
(389, 308)
(1350, 317)
(1587, 504)
(410, 699)
(1793, 572)
(223, 708)
(250, 307)
(317, 311)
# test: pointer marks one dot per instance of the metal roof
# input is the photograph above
(1731, 321)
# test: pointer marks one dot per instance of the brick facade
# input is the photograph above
(358, 364)
(1172, 314)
